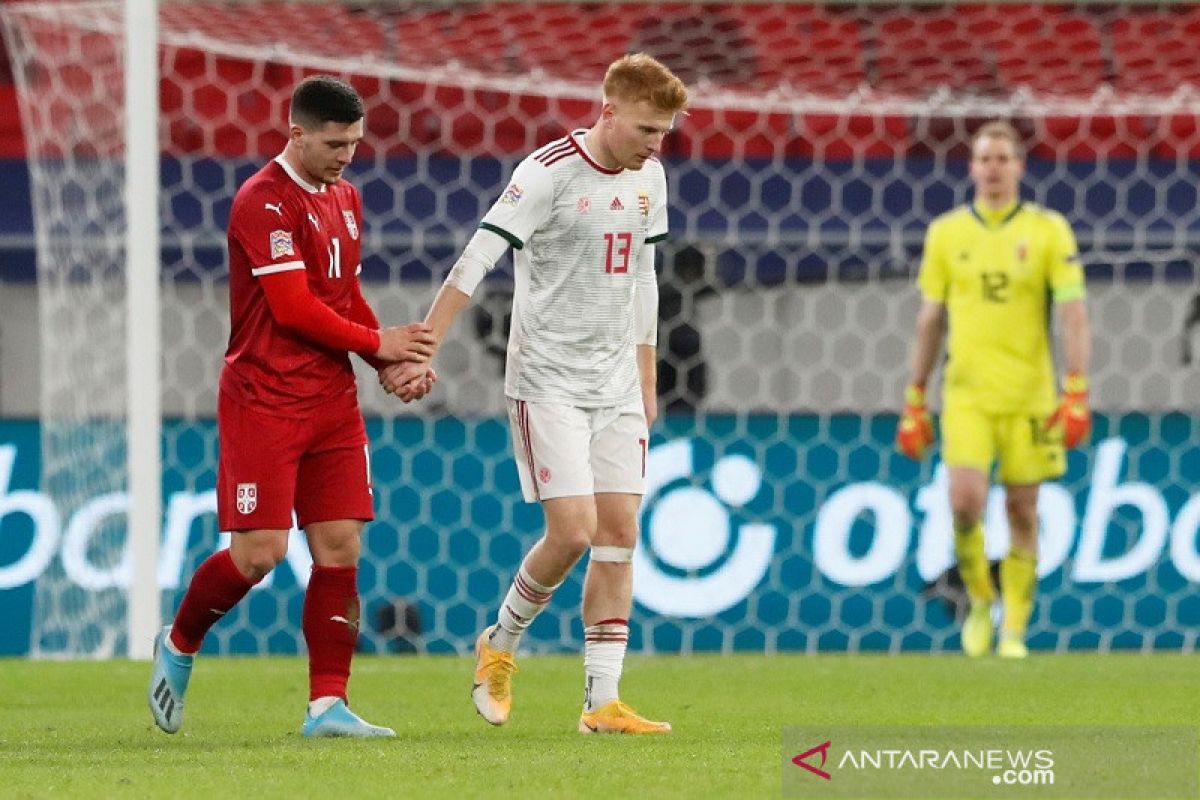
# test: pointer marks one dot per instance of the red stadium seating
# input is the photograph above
(1050, 53)
(741, 52)
(808, 48)
(1156, 53)
(919, 52)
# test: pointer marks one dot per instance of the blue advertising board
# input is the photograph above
(759, 532)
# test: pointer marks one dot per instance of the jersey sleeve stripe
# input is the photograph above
(1065, 294)
(656, 239)
(271, 269)
(496, 229)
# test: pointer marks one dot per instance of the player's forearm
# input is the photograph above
(647, 358)
(928, 343)
(362, 313)
(446, 307)
(295, 309)
(1077, 340)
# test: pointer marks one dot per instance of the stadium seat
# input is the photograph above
(1049, 52)
(806, 48)
(918, 52)
(576, 42)
(1156, 53)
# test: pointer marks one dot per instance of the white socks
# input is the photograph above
(319, 706)
(603, 657)
(524, 601)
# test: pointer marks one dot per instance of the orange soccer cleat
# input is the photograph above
(492, 689)
(616, 717)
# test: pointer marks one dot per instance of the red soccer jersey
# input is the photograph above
(280, 222)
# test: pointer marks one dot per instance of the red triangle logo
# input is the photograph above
(616, 205)
(823, 749)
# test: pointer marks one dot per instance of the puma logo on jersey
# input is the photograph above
(276, 207)
(313, 219)
(344, 621)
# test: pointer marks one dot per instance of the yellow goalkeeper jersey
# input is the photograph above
(996, 273)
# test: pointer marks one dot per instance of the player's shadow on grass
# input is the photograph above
(948, 589)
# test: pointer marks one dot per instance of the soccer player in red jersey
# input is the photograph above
(290, 428)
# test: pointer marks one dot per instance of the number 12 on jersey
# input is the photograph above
(616, 252)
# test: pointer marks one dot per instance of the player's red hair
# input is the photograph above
(641, 77)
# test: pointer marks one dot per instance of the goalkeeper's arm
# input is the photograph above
(914, 433)
(928, 343)
(1073, 413)
(1077, 341)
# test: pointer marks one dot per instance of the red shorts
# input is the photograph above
(318, 464)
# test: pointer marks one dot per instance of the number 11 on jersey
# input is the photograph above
(618, 245)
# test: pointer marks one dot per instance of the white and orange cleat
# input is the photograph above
(616, 717)
(492, 689)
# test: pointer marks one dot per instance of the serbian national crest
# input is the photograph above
(247, 497)
(351, 225)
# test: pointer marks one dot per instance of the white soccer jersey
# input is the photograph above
(578, 230)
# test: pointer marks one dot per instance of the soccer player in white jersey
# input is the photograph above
(583, 214)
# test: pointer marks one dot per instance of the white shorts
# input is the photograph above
(565, 451)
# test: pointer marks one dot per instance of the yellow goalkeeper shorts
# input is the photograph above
(1019, 444)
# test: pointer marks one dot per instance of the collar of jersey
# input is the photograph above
(303, 184)
(577, 138)
(996, 219)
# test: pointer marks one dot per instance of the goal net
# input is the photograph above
(821, 142)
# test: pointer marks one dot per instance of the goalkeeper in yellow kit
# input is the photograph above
(989, 273)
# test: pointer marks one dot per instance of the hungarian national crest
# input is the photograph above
(247, 497)
(351, 225)
(644, 204)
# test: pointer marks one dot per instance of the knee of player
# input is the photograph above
(1021, 512)
(623, 534)
(258, 560)
(572, 539)
(966, 504)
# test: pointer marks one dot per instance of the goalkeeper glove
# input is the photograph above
(914, 434)
(1073, 412)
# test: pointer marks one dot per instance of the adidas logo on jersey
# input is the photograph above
(616, 205)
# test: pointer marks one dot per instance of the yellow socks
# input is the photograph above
(973, 564)
(1018, 583)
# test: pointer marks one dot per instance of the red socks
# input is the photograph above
(216, 587)
(331, 618)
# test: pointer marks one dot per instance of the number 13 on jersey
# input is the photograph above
(616, 252)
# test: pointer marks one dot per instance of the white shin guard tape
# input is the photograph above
(615, 555)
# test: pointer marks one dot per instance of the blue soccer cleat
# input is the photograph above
(168, 684)
(339, 720)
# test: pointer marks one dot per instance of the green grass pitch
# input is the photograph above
(82, 729)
